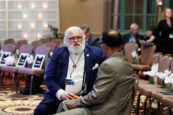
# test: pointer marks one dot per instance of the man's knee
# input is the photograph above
(41, 109)
(46, 108)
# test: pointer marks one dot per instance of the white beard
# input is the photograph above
(76, 50)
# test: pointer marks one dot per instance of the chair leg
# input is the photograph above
(158, 103)
(150, 104)
(16, 81)
(13, 77)
(1, 79)
(170, 111)
(138, 104)
(31, 85)
(160, 109)
(145, 105)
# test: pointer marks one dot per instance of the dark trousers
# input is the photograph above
(47, 108)
(36, 82)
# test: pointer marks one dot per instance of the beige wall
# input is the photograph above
(78, 12)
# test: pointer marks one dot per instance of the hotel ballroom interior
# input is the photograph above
(30, 30)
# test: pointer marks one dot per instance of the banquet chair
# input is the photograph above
(13, 69)
(51, 46)
(152, 91)
(164, 64)
(20, 43)
(144, 88)
(57, 42)
(43, 41)
(145, 61)
(40, 50)
(167, 101)
(146, 54)
(35, 44)
(9, 48)
(128, 49)
(9, 41)
(25, 48)
(6, 48)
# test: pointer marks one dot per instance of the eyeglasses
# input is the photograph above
(75, 37)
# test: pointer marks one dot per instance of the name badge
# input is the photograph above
(69, 82)
(171, 36)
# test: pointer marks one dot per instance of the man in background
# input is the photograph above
(133, 36)
(90, 39)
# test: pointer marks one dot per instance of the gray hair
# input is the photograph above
(72, 28)
(85, 27)
(133, 25)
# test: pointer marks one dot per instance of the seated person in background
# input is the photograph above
(71, 71)
(133, 36)
(149, 38)
(90, 39)
(112, 91)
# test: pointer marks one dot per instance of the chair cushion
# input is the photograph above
(9, 68)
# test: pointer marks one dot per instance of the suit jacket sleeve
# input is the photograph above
(125, 38)
(102, 86)
(53, 80)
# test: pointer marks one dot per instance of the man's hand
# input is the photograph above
(76, 98)
(71, 103)
(67, 95)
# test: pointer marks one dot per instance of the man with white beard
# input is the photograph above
(71, 72)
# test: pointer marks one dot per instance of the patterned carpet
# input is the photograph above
(12, 104)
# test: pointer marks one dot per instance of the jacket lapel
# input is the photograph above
(87, 62)
(65, 63)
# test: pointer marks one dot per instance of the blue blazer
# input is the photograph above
(58, 66)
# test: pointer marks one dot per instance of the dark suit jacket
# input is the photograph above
(58, 66)
(126, 38)
(92, 41)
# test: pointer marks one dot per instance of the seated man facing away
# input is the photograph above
(112, 91)
(71, 71)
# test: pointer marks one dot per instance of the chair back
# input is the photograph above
(155, 58)
(51, 45)
(164, 63)
(25, 48)
(9, 41)
(0, 46)
(9, 48)
(35, 44)
(42, 50)
(57, 42)
(43, 41)
(146, 54)
(128, 49)
(171, 69)
(20, 43)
